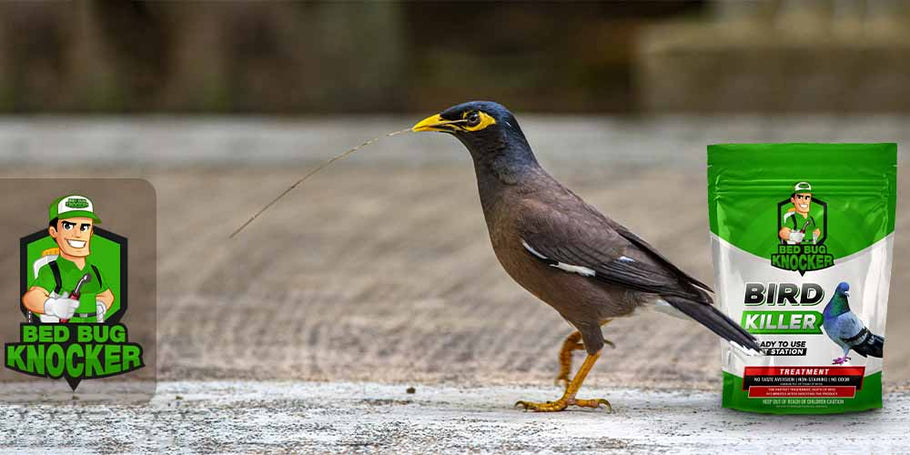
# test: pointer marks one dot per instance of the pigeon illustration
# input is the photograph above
(847, 330)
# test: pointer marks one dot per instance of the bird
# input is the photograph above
(846, 329)
(565, 252)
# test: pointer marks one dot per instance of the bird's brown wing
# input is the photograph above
(589, 244)
(645, 246)
(572, 240)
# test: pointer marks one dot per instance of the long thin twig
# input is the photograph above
(308, 175)
(323, 166)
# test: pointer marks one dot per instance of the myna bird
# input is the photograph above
(586, 266)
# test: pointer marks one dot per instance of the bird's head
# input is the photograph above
(843, 289)
(484, 127)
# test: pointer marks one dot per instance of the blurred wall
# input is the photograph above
(296, 57)
(300, 58)
(783, 56)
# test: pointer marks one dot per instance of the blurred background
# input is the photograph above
(627, 57)
(380, 268)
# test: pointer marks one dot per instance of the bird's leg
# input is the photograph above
(571, 344)
(568, 397)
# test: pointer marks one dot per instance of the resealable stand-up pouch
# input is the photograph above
(802, 237)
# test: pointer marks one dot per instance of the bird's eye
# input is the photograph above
(473, 119)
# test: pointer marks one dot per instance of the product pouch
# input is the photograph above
(802, 237)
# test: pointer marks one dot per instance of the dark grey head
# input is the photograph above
(487, 129)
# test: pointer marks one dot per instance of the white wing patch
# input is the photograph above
(532, 250)
(626, 259)
(579, 269)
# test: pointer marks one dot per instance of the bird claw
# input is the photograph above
(609, 343)
(562, 403)
(840, 360)
(595, 403)
(549, 406)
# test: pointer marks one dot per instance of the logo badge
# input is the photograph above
(73, 289)
(802, 228)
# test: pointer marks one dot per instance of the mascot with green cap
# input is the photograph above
(797, 221)
(71, 224)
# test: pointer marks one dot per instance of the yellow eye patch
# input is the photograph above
(485, 121)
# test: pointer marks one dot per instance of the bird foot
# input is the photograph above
(562, 403)
(840, 360)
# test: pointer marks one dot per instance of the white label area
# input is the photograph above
(868, 273)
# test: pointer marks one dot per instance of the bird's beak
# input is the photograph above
(847, 293)
(431, 123)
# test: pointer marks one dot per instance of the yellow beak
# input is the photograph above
(431, 123)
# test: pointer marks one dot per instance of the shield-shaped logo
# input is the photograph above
(73, 283)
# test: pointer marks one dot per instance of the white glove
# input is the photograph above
(796, 236)
(61, 307)
(814, 238)
(100, 309)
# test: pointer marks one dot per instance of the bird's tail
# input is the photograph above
(710, 317)
(871, 345)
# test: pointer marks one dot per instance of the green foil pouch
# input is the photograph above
(802, 239)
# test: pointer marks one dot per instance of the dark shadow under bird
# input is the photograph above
(586, 266)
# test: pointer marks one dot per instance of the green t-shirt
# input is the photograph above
(70, 274)
(796, 221)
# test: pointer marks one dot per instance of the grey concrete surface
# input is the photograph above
(371, 418)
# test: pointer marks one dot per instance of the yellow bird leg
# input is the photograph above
(568, 398)
(571, 344)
